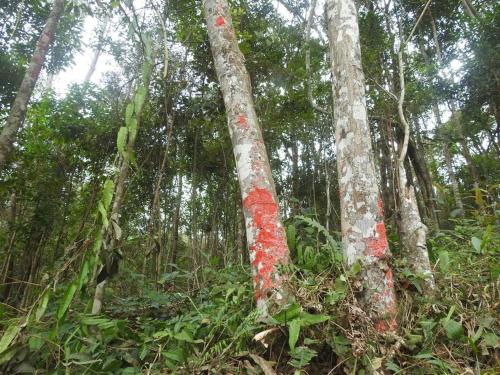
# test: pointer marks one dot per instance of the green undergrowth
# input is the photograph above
(211, 326)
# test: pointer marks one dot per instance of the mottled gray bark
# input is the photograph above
(363, 228)
(20, 105)
(412, 229)
(265, 233)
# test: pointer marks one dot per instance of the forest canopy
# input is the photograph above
(249, 187)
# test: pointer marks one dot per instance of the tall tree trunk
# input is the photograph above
(20, 105)
(413, 231)
(363, 228)
(265, 232)
(98, 50)
(457, 119)
(175, 226)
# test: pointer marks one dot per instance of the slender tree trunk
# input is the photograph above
(175, 226)
(194, 205)
(265, 232)
(20, 105)
(97, 51)
(457, 119)
(413, 231)
(363, 229)
(8, 264)
(469, 9)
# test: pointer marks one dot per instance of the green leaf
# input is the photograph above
(104, 214)
(121, 139)
(454, 329)
(132, 129)
(68, 297)
(490, 340)
(310, 319)
(35, 343)
(301, 356)
(444, 261)
(289, 313)
(9, 336)
(7, 355)
(356, 268)
(476, 243)
(42, 306)
(185, 336)
(293, 332)
(140, 98)
(176, 355)
(162, 334)
(129, 113)
(107, 193)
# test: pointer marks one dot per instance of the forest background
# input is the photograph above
(123, 171)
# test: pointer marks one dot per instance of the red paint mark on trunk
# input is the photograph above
(385, 325)
(380, 206)
(270, 247)
(378, 245)
(389, 282)
(242, 122)
(219, 21)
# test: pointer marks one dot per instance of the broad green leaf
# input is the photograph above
(35, 343)
(176, 355)
(356, 268)
(107, 193)
(476, 243)
(289, 313)
(454, 329)
(9, 336)
(84, 274)
(121, 139)
(7, 355)
(444, 261)
(129, 113)
(68, 297)
(162, 334)
(185, 336)
(104, 214)
(42, 306)
(490, 340)
(140, 98)
(310, 319)
(293, 332)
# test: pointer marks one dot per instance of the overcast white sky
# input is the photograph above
(76, 72)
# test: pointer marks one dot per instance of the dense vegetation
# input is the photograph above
(132, 180)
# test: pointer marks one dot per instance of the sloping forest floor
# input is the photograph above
(207, 323)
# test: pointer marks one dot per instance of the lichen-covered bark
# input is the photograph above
(265, 233)
(413, 232)
(363, 229)
(20, 105)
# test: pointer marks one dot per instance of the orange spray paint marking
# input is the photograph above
(270, 247)
(378, 245)
(219, 21)
(386, 325)
(380, 207)
(388, 279)
(242, 122)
